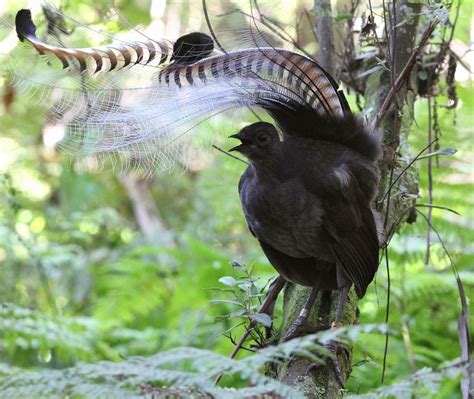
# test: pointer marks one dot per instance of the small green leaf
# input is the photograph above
(442, 151)
(343, 17)
(262, 318)
(228, 280)
(254, 290)
(226, 301)
(221, 318)
(237, 314)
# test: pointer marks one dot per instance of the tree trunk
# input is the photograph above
(145, 209)
(321, 382)
(324, 32)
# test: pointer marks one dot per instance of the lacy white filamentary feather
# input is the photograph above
(130, 102)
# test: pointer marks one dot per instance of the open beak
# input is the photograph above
(237, 147)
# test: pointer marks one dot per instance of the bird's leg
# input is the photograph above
(267, 306)
(333, 346)
(269, 309)
(343, 292)
(299, 324)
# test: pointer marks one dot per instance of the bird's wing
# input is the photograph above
(348, 222)
(353, 240)
(246, 176)
(149, 120)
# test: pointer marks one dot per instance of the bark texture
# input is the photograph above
(325, 33)
(322, 382)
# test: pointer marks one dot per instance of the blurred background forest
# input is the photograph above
(101, 266)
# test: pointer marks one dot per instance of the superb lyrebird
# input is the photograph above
(307, 192)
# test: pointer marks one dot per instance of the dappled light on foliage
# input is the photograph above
(96, 301)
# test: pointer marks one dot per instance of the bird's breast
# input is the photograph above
(284, 215)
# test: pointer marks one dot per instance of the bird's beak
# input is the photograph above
(237, 147)
(244, 142)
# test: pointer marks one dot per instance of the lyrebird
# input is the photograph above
(307, 192)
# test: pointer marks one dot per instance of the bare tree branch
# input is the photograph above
(325, 33)
(402, 77)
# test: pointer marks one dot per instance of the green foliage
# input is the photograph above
(424, 298)
(25, 330)
(191, 368)
(81, 284)
(424, 383)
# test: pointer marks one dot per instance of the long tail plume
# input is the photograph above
(103, 59)
(148, 118)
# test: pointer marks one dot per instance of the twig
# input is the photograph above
(348, 55)
(310, 22)
(229, 154)
(444, 208)
(209, 26)
(374, 30)
(402, 77)
(268, 22)
(271, 297)
(403, 172)
(463, 322)
(387, 313)
(273, 292)
(430, 180)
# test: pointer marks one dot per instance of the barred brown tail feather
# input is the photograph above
(106, 58)
(134, 93)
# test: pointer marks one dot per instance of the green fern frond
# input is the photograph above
(425, 383)
(30, 329)
(177, 368)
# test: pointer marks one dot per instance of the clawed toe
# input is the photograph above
(332, 347)
(296, 329)
(301, 327)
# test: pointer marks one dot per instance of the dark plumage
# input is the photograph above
(308, 201)
(306, 197)
(192, 47)
(24, 24)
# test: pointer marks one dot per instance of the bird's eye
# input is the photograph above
(262, 138)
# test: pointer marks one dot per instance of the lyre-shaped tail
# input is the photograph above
(150, 123)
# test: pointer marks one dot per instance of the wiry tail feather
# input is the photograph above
(150, 123)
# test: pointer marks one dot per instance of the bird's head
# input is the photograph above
(257, 140)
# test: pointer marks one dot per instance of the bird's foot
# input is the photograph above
(301, 327)
(298, 328)
(334, 348)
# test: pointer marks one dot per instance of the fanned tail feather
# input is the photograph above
(147, 118)
(99, 59)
